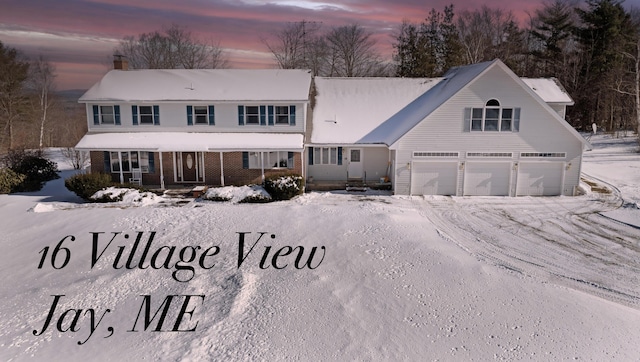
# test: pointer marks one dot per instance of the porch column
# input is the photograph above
(262, 165)
(221, 169)
(161, 171)
(121, 167)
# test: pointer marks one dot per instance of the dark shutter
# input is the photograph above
(96, 115)
(292, 115)
(516, 120)
(466, 127)
(212, 116)
(310, 155)
(156, 115)
(290, 160)
(339, 155)
(107, 162)
(189, 115)
(134, 114)
(245, 159)
(116, 111)
(270, 108)
(240, 115)
(152, 163)
(263, 115)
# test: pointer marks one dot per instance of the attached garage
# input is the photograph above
(487, 178)
(434, 178)
(540, 178)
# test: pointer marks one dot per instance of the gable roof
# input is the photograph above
(454, 80)
(549, 89)
(150, 85)
(403, 121)
(346, 109)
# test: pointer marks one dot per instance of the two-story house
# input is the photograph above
(478, 130)
(185, 127)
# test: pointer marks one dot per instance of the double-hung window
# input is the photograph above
(492, 118)
(267, 115)
(252, 115)
(282, 115)
(201, 115)
(106, 115)
(145, 115)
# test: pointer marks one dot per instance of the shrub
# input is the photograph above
(255, 199)
(36, 169)
(284, 186)
(85, 185)
(9, 180)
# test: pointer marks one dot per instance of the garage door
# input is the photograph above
(487, 178)
(540, 179)
(434, 178)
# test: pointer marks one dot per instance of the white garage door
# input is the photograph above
(434, 178)
(540, 179)
(487, 178)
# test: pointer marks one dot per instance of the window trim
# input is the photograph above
(98, 114)
(136, 115)
(210, 116)
(476, 118)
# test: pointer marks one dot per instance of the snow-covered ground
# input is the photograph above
(392, 278)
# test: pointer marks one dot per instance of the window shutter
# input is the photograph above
(212, 116)
(240, 115)
(310, 155)
(270, 108)
(189, 115)
(290, 160)
(292, 115)
(107, 162)
(467, 120)
(516, 120)
(245, 159)
(116, 111)
(134, 113)
(96, 115)
(156, 115)
(263, 115)
(152, 165)
(339, 155)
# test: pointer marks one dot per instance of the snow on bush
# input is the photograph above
(284, 187)
(125, 196)
(238, 194)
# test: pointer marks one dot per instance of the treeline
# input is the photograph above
(32, 114)
(593, 49)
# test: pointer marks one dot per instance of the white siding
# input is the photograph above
(173, 117)
(443, 129)
(375, 165)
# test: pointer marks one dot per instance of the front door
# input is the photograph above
(355, 163)
(189, 166)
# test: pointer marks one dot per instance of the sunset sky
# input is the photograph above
(79, 36)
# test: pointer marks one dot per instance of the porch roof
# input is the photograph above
(189, 142)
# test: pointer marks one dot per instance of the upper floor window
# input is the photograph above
(145, 115)
(264, 115)
(201, 115)
(492, 118)
(106, 115)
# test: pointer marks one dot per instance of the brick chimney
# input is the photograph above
(120, 62)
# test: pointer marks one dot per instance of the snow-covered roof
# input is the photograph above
(349, 108)
(201, 85)
(187, 141)
(403, 121)
(549, 89)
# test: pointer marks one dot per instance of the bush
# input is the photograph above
(36, 169)
(9, 180)
(85, 185)
(284, 186)
(255, 199)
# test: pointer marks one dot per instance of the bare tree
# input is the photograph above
(42, 82)
(352, 53)
(13, 75)
(487, 34)
(173, 48)
(299, 46)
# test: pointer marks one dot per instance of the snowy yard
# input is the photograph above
(391, 278)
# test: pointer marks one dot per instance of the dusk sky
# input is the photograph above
(78, 36)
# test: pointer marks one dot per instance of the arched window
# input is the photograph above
(493, 103)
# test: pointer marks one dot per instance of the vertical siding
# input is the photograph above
(443, 129)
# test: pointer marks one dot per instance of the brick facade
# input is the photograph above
(234, 173)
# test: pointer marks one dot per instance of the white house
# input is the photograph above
(212, 127)
(479, 130)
